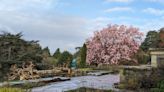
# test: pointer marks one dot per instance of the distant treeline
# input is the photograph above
(15, 50)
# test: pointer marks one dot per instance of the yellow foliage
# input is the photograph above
(5, 89)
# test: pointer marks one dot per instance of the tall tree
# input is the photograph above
(113, 45)
(83, 53)
(46, 51)
(151, 40)
(65, 58)
(14, 48)
(57, 53)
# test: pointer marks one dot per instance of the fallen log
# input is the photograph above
(28, 72)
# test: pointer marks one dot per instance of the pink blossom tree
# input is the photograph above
(113, 45)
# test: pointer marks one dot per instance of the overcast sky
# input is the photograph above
(66, 24)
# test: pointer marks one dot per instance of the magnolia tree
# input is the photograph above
(113, 45)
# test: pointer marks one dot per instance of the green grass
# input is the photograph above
(159, 88)
(6, 89)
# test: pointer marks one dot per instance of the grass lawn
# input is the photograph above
(6, 89)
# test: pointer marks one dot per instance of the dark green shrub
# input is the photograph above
(159, 88)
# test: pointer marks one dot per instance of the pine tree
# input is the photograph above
(57, 54)
(83, 56)
(46, 52)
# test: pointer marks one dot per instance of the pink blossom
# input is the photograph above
(113, 44)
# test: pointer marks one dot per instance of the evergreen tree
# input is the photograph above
(57, 54)
(65, 58)
(46, 52)
(83, 53)
(151, 41)
(14, 49)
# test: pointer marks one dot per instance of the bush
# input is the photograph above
(159, 88)
(142, 57)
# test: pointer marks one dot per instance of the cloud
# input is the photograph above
(41, 20)
(99, 22)
(19, 5)
(153, 24)
(159, 1)
(38, 20)
(154, 11)
(6, 28)
(144, 25)
(55, 32)
(119, 9)
(120, 1)
(155, 1)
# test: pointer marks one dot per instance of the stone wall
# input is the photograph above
(135, 78)
(157, 57)
(160, 61)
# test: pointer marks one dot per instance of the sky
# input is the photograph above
(66, 24)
